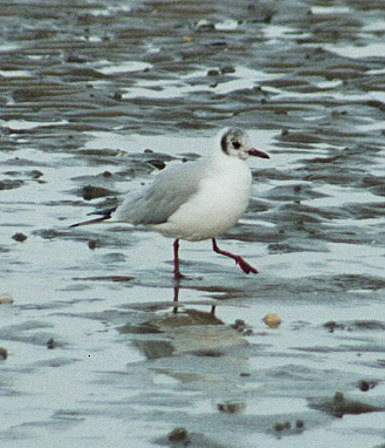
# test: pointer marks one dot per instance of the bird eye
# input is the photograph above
(236, 145)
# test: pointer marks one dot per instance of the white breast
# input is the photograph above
(221, 199)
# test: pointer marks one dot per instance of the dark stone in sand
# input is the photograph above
(19, 237)
(231, 408)
(338, 406)
(92, 244)
(178, 435)
(365, 385)
(51, 344)
(90, 192)
(157, 164)
(3, 353)
(212, 72)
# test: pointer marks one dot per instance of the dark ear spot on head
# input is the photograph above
(224, 144)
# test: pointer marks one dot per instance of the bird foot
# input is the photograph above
(245, 266)
(179, 276)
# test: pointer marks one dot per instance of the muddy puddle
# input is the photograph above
(96, 98)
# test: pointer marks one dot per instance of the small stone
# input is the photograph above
(3, 353)
(5, 299)
(178, 435)
(332, 325)
(239, 324)
(157, 164)
(92, 244)
(212, 72)
(272, 320)
(19, 237)
(118, 96)
(51, 344)
(363, 386)
(299, 424)
(227, 69)
(279, 427)
(231, 408)
(36, 174)
(90, 192)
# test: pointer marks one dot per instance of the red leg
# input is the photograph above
(176, 295)
(246, 267)
(177, 273)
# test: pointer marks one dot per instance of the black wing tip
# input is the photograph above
(91, 221)
(106, 212)
(106, 215)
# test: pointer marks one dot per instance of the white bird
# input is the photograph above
(194, 201)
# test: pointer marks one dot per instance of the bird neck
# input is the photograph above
(222, 161)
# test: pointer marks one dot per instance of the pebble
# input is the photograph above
(3, 353)
(157, 164)
(365, 385)
(90, 192)
(92, 244)
(51, 344)
(227, 69)
(179, 435)
(231, 408)
(212, 72)
(19, 237)
(5, 299)
(299, 424)
(272, 320)
(239, 324)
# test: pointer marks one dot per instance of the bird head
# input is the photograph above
(234, 142)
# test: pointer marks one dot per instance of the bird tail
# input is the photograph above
(105, 216)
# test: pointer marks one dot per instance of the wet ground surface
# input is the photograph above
(95, 98)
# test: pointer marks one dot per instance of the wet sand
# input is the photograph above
(95, 99)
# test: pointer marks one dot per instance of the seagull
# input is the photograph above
(194, 201)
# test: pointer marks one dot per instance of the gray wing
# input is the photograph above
(155, 203)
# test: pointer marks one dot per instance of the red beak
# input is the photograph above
(258, 153)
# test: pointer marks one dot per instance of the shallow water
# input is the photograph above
(104, 95)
